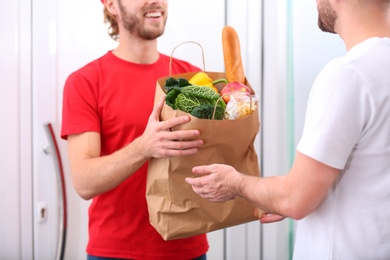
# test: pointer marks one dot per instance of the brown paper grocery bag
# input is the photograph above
(175, 211)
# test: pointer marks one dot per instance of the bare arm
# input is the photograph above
(93, 174)
(294, 195)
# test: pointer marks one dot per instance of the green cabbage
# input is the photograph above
(199, 98)
(206, 112)
(198, 91)
(187, 103)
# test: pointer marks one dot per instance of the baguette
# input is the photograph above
(232, 55)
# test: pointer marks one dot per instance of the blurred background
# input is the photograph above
(43, 41)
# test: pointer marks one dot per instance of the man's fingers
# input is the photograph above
(193, 181)
(175, 121)
(183, 134)
(201, 170)
(157, 109)
(270, 218)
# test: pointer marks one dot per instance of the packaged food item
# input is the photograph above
(240, 105)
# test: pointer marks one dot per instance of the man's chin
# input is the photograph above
(323, 27)
(152, 34)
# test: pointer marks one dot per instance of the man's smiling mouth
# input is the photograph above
(153, 15)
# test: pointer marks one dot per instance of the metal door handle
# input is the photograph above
(61, 193)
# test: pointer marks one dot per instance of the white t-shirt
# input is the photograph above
(348, 127)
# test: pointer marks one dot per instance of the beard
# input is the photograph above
(326, 17)
(134, 24)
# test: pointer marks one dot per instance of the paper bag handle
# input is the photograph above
(170, 61)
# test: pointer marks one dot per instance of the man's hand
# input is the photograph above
(159, 141)
(216, 182)
(270, 218)
(294, 195)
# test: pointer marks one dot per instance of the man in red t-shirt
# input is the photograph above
(112, 131)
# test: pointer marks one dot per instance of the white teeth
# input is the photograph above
(154, 14)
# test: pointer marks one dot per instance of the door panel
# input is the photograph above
(44, 98)
(15, 138)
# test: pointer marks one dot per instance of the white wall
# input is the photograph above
(312, 50)
(15, 142)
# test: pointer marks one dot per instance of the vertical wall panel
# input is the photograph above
(274, 125)
(14, 58)
(25, 148)
(44, 100)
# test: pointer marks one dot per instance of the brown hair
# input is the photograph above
(113, 29)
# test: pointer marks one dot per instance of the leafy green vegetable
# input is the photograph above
(186, 103)
(183, 82)
(198, 91)
(203, 92)
(198, 101)
(171, 97)
(175, 83)
(206, 112)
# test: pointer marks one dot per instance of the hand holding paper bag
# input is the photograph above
(213, 181)
(158, 141)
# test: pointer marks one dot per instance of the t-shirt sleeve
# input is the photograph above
(80, 105)
(335, 116)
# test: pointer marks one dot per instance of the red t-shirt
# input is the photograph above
(115, 98)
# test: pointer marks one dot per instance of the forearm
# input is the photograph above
(269, 194)
(294, 195)
(93, 174)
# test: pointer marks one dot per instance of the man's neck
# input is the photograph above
(137, 50)
(357, 29)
